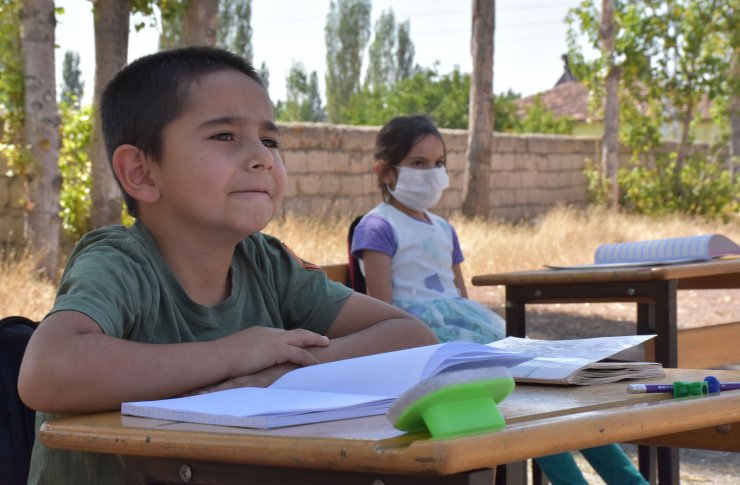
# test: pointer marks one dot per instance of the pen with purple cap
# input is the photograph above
(713, 384)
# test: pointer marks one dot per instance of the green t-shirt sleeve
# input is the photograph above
(109, 286)
(307, 298)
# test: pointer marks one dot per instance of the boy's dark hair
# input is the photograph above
(149, 93)
(396, 138)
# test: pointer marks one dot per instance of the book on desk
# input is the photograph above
(654, 252)
(366, 386)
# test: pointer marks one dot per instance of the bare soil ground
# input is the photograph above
(695, 309)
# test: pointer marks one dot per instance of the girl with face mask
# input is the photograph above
(411, 259)
(409, 256)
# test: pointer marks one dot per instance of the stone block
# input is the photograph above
(456, 161)
(360, 161)
(358, 138)
(309, 184)
(508, 143)
(295, 161)
(317, 161)
(455, 140)
(504, 161)
(291, 188)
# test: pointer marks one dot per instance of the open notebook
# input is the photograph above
(366, 386)
(653, 252)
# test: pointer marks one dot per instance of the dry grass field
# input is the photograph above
(563, 236)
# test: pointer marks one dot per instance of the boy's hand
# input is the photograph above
(261, 348)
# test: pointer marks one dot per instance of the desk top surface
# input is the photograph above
(723, 273)
(540, 420)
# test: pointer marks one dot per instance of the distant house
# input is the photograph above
(569, 98)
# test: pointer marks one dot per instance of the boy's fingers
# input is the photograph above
(297, 355)
(305, 338)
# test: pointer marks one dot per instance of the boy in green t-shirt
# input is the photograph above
(193, 296)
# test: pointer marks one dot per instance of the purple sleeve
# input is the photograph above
(376, 234)
(457, 255)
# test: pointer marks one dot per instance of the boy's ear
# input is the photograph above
(383, 171)
(132, 168)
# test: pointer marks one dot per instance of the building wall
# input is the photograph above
(330, 172)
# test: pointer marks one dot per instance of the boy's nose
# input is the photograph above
(259, 157)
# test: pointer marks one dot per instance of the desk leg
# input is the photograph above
(660, 317)
(515, 312)
(512, 474)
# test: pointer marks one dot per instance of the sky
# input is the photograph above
(529, 39)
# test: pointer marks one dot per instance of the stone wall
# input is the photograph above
(330, 172)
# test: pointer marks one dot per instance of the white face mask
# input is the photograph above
(420, 189)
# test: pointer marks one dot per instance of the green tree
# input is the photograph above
(73, 86)
(505, 109)
(404, 52)
(172, 13)
(391, 53)
(303, 101)
(539, 119)
(76, 171)
(443, 97)
(234, 27)
(671, 55)
(346, 34)
(381, 68)
(12, 148)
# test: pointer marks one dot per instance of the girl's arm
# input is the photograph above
(459, 280)
(378, 275)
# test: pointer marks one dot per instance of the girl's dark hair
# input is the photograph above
(396, 138)
(149, 93)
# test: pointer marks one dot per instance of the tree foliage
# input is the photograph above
(73, 87)
(673, 54)
(234, 31)
(347, 32)
(443, 97)
(12, 148)
(303, 101)
(75, 168)
(539, 119)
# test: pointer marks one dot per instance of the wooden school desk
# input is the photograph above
(652, 288)
(540, 420)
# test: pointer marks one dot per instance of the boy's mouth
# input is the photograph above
(251, 193)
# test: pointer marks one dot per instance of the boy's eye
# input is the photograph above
(271, 143)
(223, 137)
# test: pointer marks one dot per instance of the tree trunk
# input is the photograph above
(735, 112)
(111, 53)
(199, 27)
(41, 133)
(476, 190)
(610, 144)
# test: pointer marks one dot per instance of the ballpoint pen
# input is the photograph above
(713, 385)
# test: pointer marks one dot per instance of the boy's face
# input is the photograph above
(220, 169)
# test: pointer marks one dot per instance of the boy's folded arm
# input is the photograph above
(366, 326)
(70, 366)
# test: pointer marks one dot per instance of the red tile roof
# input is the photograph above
(571, 99)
